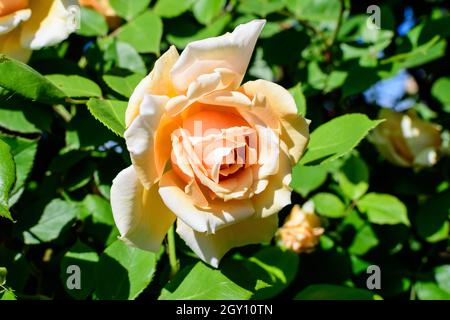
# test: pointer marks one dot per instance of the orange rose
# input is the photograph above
(207, 151)
(27, 25)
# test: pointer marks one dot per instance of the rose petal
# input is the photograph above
(140, 215)
(232, 51)
(10, 45)
(294, 131)
(158, 82)
(10, 21)
(140, 138)
(49, 23)
(219, 215)
(212, 247)
(277, 193)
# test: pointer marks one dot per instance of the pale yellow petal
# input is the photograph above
(10, 45)
(12, 20)
(140, 215)
(212, 247)
(158, 82)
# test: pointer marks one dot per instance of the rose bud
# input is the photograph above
(406, 140)
(301, 230)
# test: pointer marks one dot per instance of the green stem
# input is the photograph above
(174, 265)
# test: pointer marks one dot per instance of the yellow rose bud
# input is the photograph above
(301, 230)
(406, 140)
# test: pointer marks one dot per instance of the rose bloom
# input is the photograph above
(27, 25)
(104, 8)
(406, 140)
(301, 230)
(206, 151)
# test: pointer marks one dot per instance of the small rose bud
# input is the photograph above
(406, 140)
(301, 230)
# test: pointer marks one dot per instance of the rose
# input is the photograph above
(301, 230)
(207, 152)
(104, 8)
(406, 140)
(27, 25)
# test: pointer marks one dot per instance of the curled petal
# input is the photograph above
(140, 215)
(232, 51)
(158, 82)
(50, 23)
(212, 247)
(219, 215)
(294, 128)
(140, 138)
(11, 21)
(277, 193)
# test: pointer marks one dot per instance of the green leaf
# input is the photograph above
(430, 291)
(23, 151)
(75, 86)
(432, 219)
(325, 82)
(260, 7)
(365, 239)
(337, 137)
(383, 209)
(328, 205)
(7, 294)
(123, 272)
(143, 33)
(57, 215)
(99, 208)
(308, 178)
(353, 178)
(123, 85)
(321, 11)
(92, 23)
(205, 283)
(86, 259)
(172, 8)
(129, 9)
(334, 292)
(442, 276)
(3, 273)
(214, 29)
(27, 82)
(7, 178)
(441, 92)
(25, 117)
(109, 112)
(206, 10)
(299, 98)
(274, 266)
(128, 58)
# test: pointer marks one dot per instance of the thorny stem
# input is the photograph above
(171, 249)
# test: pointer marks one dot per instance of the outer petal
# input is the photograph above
(9, 22)
(158, 82)
(10, 45)
(294, 131)
(219, 215)
(212, 247)
(140, 138)
(50, 23)
(232, 51)
(277, 193)
(140, 215)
